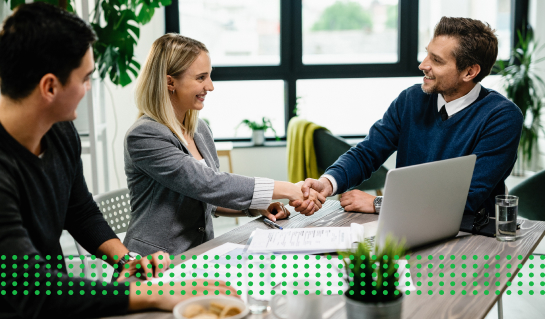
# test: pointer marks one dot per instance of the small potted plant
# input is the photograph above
(258, 129)
(373, 281)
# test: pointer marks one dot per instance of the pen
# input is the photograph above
(272, 224)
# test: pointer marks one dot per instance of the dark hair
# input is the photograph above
(38, 39)
(478, 43)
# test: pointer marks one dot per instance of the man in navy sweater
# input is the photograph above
(46, 61)
(449, 115)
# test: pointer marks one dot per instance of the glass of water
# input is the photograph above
(506, 214)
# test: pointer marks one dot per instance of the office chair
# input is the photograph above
(329, 148)
(116, 209)
(531, 197)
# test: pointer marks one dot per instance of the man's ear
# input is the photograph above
(472, 72)
(49, 86)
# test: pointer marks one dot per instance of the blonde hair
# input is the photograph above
(171, 54)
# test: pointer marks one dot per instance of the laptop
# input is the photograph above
(425, 203)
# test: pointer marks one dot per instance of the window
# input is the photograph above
(352, 55)
(350, 31)
(494, 12)
(233, 101)
(236, 32)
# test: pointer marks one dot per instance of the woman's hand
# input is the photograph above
(308, 206)
(275, 211)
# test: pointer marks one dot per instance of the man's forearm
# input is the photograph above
(111, 248)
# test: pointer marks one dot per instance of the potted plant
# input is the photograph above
(525, 88)
(373, 281)
(258, 129)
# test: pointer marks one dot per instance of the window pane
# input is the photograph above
(349, 106)
(361, 31)
(494, 12)
(352, 106)
(233, 101)
(236, 32)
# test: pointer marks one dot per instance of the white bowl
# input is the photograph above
(205, 302)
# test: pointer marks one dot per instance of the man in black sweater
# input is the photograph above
(46, 61)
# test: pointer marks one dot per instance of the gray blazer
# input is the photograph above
(173, 196)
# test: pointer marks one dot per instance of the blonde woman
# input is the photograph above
(171, 162)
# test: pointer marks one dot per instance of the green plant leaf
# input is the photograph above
(15, 3)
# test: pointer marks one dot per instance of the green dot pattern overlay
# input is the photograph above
(442, 275)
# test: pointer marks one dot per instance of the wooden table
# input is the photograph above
(487, 265)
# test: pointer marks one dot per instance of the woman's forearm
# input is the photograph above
(287, 190)
(227, 212)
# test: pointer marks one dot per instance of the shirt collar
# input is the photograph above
(460, 103)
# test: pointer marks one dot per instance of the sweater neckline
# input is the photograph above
(457, 116)
(23, 151)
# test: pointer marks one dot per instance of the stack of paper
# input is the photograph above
(310, 240)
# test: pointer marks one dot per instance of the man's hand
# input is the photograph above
(312, 188)
(149, 296)
(323, 186)
(150, 265)
(357, 201)
(275, 211)
(308, 205)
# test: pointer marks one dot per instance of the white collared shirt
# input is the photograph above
(460, 103)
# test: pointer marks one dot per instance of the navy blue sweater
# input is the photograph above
(490, 128)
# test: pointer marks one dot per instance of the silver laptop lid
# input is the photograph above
(425, 203)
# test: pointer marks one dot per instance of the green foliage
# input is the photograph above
(525, 88)
(114, 49)
(257, 126)
(344, 16)
(372, 275)
(392, 17)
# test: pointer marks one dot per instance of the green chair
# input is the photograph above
(328, 148)
(531, 197)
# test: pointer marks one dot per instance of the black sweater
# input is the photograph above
(39, 197)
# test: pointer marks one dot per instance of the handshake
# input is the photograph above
(312, 194)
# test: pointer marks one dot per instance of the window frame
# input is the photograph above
(292, 68)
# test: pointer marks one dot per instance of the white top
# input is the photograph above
(460, 103)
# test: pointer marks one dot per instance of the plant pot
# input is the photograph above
(258, 137)
(362, 310)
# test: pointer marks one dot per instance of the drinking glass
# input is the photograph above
(506, 214)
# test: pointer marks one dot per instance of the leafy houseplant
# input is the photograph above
(373, 280)
(117, 36)
(525, 88)
(258, 129)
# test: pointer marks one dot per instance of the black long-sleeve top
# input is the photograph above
(39, 197)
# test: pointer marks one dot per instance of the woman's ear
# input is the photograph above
(170, 83)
